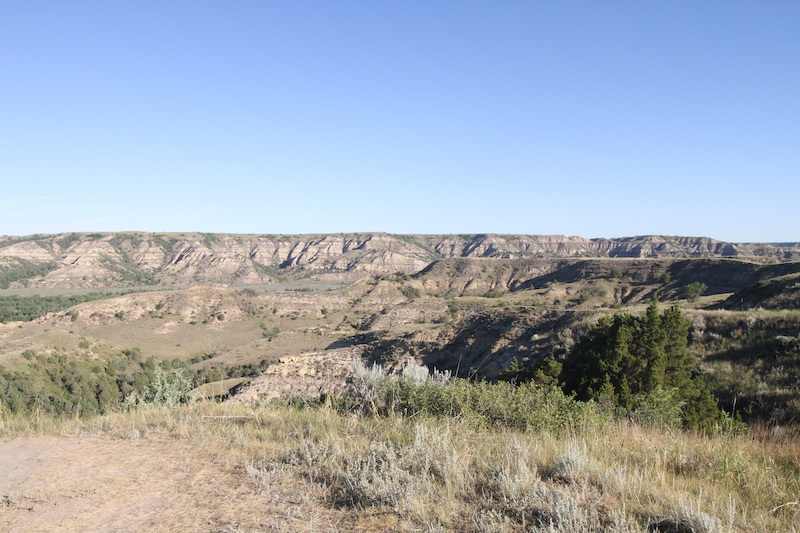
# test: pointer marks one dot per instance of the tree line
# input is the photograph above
(27, 308)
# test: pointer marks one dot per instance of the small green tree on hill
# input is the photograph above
(634, 361)
(693, 290)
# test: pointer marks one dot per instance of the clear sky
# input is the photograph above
(591, 118)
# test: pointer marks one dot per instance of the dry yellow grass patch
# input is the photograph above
(282, 469)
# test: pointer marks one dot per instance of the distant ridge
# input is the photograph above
(119, 259)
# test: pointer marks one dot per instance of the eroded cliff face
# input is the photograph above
(187, 259)
(195, 263)
(27, 251)
(86, 264)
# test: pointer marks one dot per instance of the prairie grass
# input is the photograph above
(427, 473)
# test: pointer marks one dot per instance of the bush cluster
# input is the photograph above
(64, 385)
(528, 406)
(67, 385)
(415, 391)
(410, 292)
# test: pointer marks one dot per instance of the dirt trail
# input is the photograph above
(99, 484)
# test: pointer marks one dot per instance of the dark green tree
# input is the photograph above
(630, 360)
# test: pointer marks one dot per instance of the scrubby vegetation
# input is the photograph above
(410, 292)
(27, 308)
(415, 392)
(65, 385)
(753, 359)
(16, 269)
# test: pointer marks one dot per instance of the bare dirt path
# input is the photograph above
(100, 484)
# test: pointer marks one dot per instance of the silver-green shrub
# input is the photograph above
(167, 388)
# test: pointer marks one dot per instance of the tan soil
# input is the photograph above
(99, 484)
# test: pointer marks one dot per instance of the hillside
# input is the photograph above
(131, 259)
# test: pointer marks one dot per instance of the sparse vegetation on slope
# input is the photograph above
(753, 362)
(17, 269)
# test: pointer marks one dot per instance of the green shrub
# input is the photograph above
(527, 406)
(625, 360)
(268, 334)
(409, 292)
(169, 388)
(545, 372)
(693, 290)
(62, 385)
(66, 386)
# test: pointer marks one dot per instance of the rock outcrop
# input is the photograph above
(308, 374)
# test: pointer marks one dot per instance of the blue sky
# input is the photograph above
(598, 119)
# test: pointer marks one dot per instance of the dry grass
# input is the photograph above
(218, 388)
(395, 474)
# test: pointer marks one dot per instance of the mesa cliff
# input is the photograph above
(128, 259)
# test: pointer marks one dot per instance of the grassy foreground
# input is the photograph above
(393, 473)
